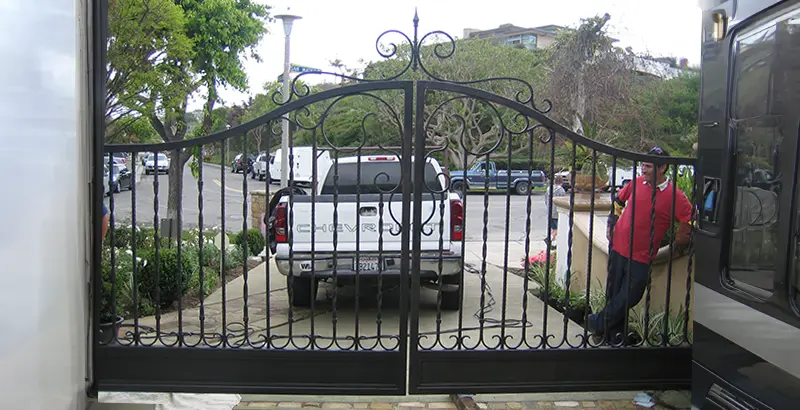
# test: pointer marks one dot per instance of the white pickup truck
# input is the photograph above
(259, 168)
(361, 241)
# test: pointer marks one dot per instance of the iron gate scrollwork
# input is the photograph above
(353, 287)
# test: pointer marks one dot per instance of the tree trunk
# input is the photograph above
(177, 165)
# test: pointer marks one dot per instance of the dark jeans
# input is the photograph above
(619, 297)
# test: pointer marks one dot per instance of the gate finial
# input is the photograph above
(415, 47)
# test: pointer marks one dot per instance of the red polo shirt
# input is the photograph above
(641, 225)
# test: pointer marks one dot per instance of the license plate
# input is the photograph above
(366, 265)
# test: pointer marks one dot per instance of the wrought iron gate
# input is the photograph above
(243, 329)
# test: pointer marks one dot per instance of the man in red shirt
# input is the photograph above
(632, 252)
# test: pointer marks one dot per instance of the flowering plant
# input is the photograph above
(538, 259)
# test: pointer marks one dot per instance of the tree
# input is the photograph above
(662, 112)
(588, 76)
(260, 105)
(473, 60)
(210, 38)
(145, 38)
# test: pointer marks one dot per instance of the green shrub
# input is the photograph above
(255, 241)
(119, 292)
(210, 281)
(168, 271)
(210, 257)
(123, 235)
(234, 257)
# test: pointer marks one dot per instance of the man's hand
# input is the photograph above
(608, 233)
(683, 234)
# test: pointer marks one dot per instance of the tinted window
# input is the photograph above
(375, 177)
(765, 86)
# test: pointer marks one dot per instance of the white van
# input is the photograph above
(303, 164)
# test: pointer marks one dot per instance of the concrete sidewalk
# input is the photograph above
(580, 400)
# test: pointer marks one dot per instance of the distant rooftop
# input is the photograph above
(507, 29)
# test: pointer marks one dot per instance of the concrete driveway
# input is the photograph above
(270, 316)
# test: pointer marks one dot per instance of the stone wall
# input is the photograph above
(258, 207)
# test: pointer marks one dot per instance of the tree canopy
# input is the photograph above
(161, 52)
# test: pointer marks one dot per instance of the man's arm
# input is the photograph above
(104, 228)
(617, 207)
(683, 213)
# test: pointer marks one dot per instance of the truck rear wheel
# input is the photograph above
(522, 188)
(452, 300)
(457, 187)
(301, 291)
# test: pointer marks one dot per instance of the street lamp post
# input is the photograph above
(288, 19)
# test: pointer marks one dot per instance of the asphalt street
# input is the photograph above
(492, 207)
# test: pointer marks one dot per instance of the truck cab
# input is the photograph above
(486, 175)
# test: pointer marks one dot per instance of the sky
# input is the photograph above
(347, 30)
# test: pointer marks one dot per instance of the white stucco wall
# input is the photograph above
(44, 169)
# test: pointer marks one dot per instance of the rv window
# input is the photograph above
(764, 85)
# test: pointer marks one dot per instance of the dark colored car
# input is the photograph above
(242, 163)
(122, 178)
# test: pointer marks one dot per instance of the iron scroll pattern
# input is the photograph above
(416, 63)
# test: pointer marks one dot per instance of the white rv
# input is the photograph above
(303, 167)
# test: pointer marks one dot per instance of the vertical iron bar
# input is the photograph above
(484, 252)
(379, 317)
(668, 312)
(157, 247)
(440, 264)
(568, 276)
(589, 251)
(335, 315)
(548, 257)
(464, 192)
(503, 309)
(267, 244)
(651, 255)
(358, 245)
(113, 248)
(314, 186)
(245, 244)
(689, 278)
(179, 250)
(627, 289)
(289, 222)
(609, 282)
(224, 267)
(200, 242)
(134, 281)
(526, 265)
(413, 222)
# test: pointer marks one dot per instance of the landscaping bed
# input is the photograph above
(160, 277)
(576, 307)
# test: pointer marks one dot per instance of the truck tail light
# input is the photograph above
(456, 220)
(281, 235)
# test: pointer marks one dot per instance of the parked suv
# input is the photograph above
(242, 163)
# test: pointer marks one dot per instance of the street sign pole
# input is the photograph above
(285, 165)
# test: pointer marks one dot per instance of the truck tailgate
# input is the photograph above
(356, 223)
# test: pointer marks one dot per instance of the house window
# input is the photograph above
(529, 41)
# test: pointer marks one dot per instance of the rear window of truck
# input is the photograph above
(376, 177)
